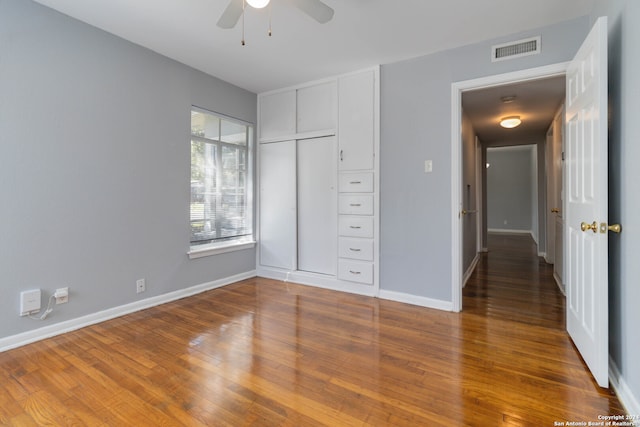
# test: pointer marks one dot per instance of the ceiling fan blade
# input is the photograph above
(231, 14)
(315, 9)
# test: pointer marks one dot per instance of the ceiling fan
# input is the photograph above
(316, 9)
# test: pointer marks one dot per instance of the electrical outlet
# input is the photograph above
(61, 295)
(141, 285)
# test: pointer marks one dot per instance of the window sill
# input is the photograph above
(201, 251)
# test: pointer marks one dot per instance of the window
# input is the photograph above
(221, 182)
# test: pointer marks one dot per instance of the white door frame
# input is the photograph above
(480, 166)
(457, 88)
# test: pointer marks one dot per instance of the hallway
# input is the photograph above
(512, 283)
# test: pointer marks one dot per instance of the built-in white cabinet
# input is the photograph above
(317, 218)
(356, 121)
(305, 112)
(319, 207)
(278, 115)
(278, 205)
(357, 214)
(316, 108)
(357, 201)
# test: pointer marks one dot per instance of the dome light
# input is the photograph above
(510, 122)
(258, 4)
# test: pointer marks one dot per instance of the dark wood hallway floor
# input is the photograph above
(512, 283)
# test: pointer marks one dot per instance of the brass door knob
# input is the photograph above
(593, 226)
(616, 228)
(555, 210)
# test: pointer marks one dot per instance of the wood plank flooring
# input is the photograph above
(267, 353)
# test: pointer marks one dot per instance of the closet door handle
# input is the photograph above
(341, 158)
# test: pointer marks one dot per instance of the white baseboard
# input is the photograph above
(559, 283)
(416, 300)
(469, 272)
(317, 280)
(509, 231)
(625, 395)
(28, 337)
(331, 283)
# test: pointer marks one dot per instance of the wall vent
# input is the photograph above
(515, 49)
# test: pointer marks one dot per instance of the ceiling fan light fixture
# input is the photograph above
(258, 4)
(510, 122)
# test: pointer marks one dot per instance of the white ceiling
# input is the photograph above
(362, 33)
(536, 102)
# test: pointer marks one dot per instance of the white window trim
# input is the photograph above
(217, 248)
(238, 243)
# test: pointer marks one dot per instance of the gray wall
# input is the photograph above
(624, 198)
(94, 166)
(510, 188)
(541, 193)
(415, 253)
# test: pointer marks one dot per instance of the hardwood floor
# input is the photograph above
(511, 282)
(267, 353)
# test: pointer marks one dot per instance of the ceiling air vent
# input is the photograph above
(515, 49)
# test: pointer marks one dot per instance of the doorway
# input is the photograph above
(458, 172)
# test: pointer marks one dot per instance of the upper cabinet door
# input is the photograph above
(356, 106)
(278, 115)
(317, 108)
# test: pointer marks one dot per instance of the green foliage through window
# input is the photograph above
(221, 196)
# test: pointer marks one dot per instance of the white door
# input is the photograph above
(586, 202)
(278, 205)
(317, 205)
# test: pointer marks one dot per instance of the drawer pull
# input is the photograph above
(355, 249)
(354, 272)
(355, 227)
(355, 205)
(355, 182)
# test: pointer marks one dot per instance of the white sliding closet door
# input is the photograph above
(278, 205)
(317, 205)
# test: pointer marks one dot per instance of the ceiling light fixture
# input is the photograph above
(258, 4)
(510, 122)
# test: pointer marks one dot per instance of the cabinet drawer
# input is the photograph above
(355, 205)
(361, 249)
(355, 226)
(355, 271)
(356, 182)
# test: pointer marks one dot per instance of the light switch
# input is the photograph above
(428, 166)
